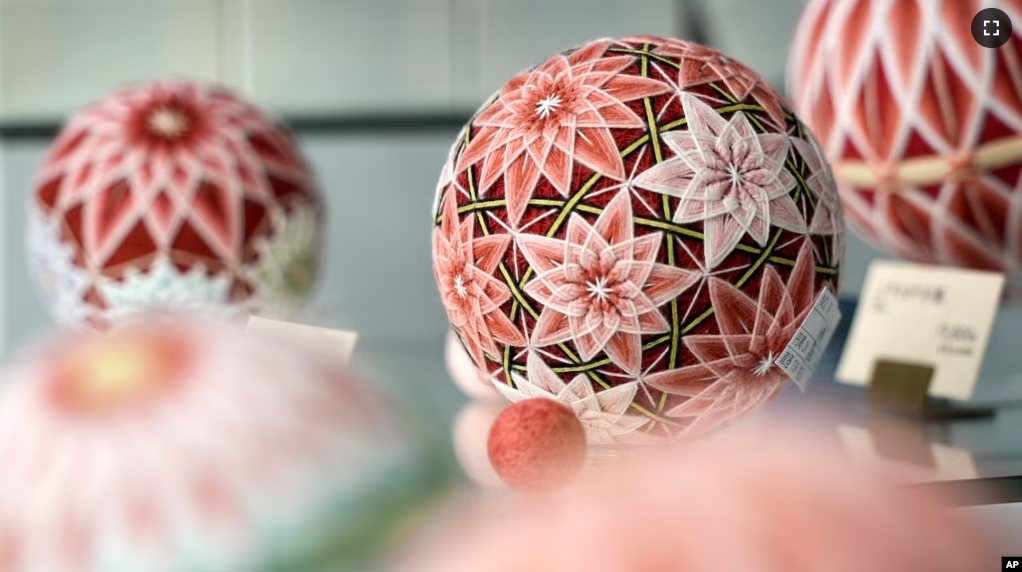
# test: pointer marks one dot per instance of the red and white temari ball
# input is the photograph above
(174, 196)
(921, 124)
(179, 445)
(635, 228)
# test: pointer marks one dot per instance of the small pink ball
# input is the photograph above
(537, 444)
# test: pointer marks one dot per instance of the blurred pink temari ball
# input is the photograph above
(921, 124)
(636, 228)
(174, 196)
(180, 445)
(777, 502)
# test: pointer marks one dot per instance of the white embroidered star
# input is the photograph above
(548, 105)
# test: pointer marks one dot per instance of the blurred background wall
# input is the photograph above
(375, 89)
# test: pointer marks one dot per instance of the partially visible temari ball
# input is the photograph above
(185, 445)
(635, 228)
(174, 196)
(781, 501)
(921, 124)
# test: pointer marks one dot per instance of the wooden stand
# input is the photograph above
(902, 389)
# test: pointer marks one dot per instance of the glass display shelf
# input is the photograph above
(974, 461)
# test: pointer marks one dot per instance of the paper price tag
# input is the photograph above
(338, 343)
(805, 350)
(927, 315)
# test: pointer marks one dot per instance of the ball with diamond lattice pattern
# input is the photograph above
(921, 124)
(174, 196)
(635, 228)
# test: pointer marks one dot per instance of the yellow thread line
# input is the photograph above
(659, 58)
(666, 202)
(759, 262)
(582, 368)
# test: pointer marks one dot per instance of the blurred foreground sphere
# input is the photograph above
(470, 435)
(174, 196)
(775, 502)
(183, 445)
(635, 228)
(921, 123)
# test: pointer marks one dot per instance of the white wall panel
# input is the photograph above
(760, 38)
(310, 56)
(57, 55)
(515, 35)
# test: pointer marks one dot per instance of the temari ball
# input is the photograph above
(636, 228)
(920, 123)
(174, 196)
(185, 445)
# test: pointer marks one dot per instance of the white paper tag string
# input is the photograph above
(805, 350)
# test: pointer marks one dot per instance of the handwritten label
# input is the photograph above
(337, 343)
(805, 350)
(927, 315)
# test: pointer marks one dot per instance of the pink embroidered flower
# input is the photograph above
(727, 175)
(828, 218)
(828, 215)
(553, 115)
(701, 65)
(603, 414)
(463, 267)
(736, 370)
(601, 286)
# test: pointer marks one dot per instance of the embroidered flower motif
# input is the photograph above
(828, 217)
(162, 288)
(463, 267)
(288, 261)
(701, 65)
(180, 446)
(728, 176)
(601, 286)
(550, 117)
(603, 414)
(59, 278)
(736, 370)
(447, 174)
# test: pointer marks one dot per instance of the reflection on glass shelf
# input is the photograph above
(915, 459)
(961, 451)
